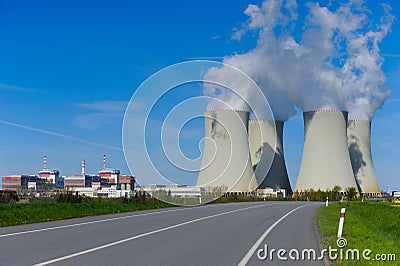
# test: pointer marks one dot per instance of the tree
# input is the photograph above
(351, 193)
(336, 192)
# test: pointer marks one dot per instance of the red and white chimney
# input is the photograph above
(83, 167)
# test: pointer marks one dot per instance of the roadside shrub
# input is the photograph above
(8, 197)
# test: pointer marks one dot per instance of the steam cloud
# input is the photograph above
(331, 60)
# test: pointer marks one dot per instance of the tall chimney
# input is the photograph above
(326, 160)
(83, 167)
(45, 162)
(104, 161)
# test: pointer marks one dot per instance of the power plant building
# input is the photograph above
(266, 142)
(127, 182)
(78, 180)
(105, 184)
(359, 143)
(226, 158)
(108, 183)
(50, 176)
(81, 180)
(108, 175)
(326, 160)
(22, 182)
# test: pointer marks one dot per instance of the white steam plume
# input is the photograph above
(263, 63)
(334, 63)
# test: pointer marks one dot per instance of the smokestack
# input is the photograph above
(45, 162)
(83, 167)
(266, 141)
(326, 159)
(226, 159)
(359, 142)
(104, 161)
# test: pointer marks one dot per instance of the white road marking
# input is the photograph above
(146, 234)
(85, 223)
(253, 249)
(98, 221)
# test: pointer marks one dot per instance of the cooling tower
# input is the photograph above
(226, 158)
(265, 146)
(359, 142)
(326, 159)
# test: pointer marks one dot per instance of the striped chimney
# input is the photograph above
(83, 167)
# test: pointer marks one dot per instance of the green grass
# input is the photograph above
(44, 210)
(16, 214)
(367, 225)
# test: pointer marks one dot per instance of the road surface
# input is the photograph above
(218, 234)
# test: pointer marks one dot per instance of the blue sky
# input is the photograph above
(71, 67)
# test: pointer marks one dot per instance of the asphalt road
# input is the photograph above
(220, 234)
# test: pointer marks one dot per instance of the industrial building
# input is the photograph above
(336, 152)
(266, 142)
(359, 143)
(186, 192)
(107, 183)
(127, 182)
(241, 156)
(182, 191)
(50, 176)
(22, 183)
(109, 175)
(268, 193)
(326, 160)
(226, 158)
(78, 180)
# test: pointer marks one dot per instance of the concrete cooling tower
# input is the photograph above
(263, 148)
(226, 159)
(359, 142)
(326, 159)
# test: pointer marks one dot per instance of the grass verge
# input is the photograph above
(367, 225)
(38, 210)
(17, 214)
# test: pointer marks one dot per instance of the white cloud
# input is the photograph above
(216, 37)
(390, 55)
(10, 87)
(104, 106)
(394, 100)
(93, 121)
(102, 113)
